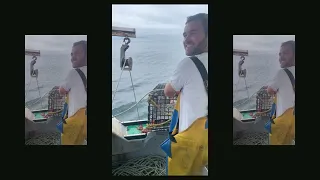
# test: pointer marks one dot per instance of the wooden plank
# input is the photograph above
(239, 52)
(31, 52)
(123, 32)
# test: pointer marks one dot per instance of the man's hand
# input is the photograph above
(271, 91)
(169, 91)
(62, 91)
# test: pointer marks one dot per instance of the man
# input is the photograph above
(281, 84)
(187, 77)
(187, 80)
(73, 85)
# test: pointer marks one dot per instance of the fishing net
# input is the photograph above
(151, 165)
(49, 138)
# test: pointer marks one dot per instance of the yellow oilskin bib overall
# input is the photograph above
(187, 151)
(73, 129)
(281, 129)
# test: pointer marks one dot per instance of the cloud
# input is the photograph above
(260, 43)
(52, 43)
(161, 17)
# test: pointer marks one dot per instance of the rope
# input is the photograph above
(236, 91)
(114, 94)
(134, 93)
(245, 82)
(26, 93)
(152, 165)
(48, 138)
(39, 91)
(32, 70)
(155, 90)
(37, 100)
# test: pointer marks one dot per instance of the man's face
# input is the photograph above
(78, 56)
(195, 41)
(286, 56)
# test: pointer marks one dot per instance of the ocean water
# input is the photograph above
(261, 68)
(53, 68)
(154, 59)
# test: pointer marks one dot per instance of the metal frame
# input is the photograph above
(31, 52)
(239, 52)
(123, 32)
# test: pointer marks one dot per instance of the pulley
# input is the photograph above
(241, 72)
(33, 72)
(125, 64)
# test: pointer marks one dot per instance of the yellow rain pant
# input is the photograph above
(189, 154)
(75, 131)
(283, 131)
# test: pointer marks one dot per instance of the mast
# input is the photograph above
(123, 32)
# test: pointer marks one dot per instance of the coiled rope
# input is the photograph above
(152, 165)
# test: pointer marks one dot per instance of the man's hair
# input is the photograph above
(290, 44)
(83, 44)
(203, 18)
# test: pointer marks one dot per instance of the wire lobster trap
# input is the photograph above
(263, 100)
(55, 102)
(160, 108)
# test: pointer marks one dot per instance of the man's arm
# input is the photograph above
(169, 91)
(179, 79)
(275, 84)
(66, 84)
(62, 91)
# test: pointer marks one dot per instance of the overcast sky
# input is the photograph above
(261, 43)
(61, 43)
(154, 16)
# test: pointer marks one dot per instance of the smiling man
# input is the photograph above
(189, 80)
(283, 86)
(75, 88)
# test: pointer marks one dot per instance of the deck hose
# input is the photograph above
(152, 165)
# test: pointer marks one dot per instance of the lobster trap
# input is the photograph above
(160, 108)
(55, 102)
(263, 100)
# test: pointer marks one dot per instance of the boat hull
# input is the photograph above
(41, 125)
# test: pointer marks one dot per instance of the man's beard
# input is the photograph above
(201, 48)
